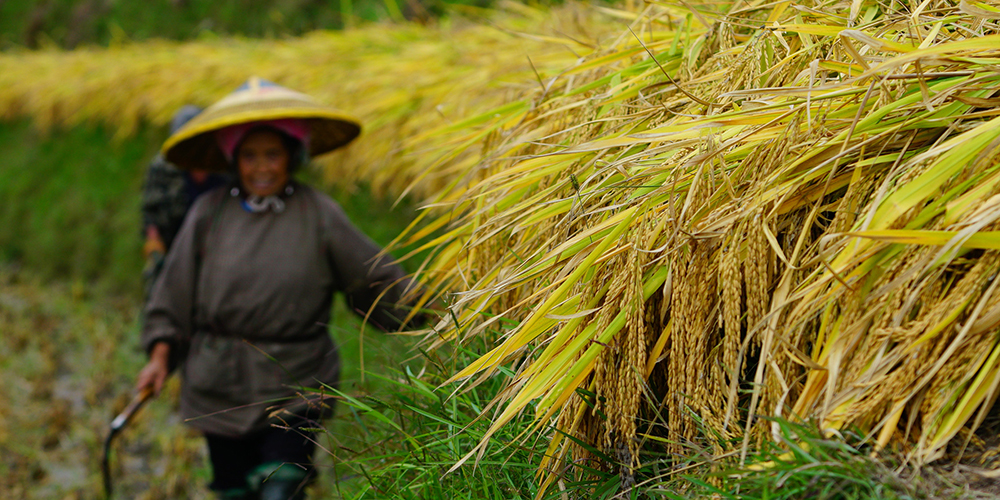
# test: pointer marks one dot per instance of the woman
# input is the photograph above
(244, 299)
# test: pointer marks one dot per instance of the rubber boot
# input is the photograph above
(234, 494)
(278, 489)
(276, 481)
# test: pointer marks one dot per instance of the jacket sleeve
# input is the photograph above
(169, 314)
(375, 286)
(158, 194)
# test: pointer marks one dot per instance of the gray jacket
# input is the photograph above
(244, 300)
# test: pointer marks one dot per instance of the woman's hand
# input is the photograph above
(154, 243)
(154, 374)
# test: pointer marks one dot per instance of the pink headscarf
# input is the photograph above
(229, 137)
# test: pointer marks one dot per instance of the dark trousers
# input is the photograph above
(233, 459)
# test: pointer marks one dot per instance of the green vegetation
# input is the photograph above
(70, 204)
(414, 433)
(406, 440)
(69, 23)
(802, 464)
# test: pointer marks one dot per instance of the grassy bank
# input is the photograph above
(71, 203)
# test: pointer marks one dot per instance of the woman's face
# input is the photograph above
(263, 163)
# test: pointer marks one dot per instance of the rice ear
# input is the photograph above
(820, 189)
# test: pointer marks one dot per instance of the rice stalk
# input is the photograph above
(823, 176)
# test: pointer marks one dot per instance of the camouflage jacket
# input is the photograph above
(167, 195)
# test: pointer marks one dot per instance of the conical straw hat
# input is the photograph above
(193, 146)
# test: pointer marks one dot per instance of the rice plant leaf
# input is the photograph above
(877, 43)
(979, 9)
(812, 29)
(526, 331)
(955, 155)
(989, 240)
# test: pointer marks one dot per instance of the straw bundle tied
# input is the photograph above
(763, 208)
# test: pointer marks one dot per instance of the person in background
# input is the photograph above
(242, 306)
(167, 195)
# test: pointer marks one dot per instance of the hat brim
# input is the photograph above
(194, 147)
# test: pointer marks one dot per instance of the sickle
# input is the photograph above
(117, 425)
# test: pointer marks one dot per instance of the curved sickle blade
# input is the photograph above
(117, 425)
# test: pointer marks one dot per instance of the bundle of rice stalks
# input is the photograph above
(735, 210)
(399, 79)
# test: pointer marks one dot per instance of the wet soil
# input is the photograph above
(67, 362)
